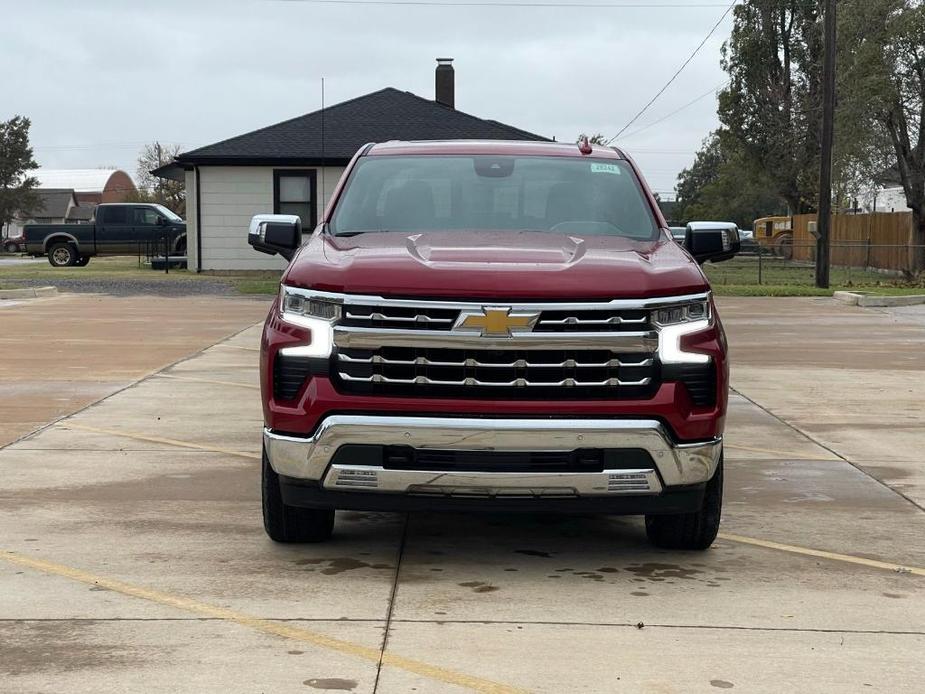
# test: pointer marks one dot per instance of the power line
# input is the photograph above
(99, 145)
(675, 75)
(676, 111)
(485, 3)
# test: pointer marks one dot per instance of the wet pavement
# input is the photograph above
(133, 558)
(64, 352)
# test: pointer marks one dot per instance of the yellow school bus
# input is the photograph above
(775, 234)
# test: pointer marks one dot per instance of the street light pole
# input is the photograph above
(824, 222)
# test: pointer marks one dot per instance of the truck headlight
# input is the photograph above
(673, 323)
(682, 313)
(317, 315)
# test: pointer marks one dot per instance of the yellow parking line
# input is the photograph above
(193, 379)
(156, 439)
(781, 454)
(850, 559)
(263, 625)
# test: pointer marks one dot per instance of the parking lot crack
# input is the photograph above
(831, 450)
(649, 625)
(392, 596)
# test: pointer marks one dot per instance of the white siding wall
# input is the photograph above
(230, 196)
(191, 231)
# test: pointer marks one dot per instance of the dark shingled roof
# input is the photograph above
(388, 114)
(54, 202)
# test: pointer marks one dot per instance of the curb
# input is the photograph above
(878, 300)
(28, 293)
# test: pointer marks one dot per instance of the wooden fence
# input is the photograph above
(880, 240)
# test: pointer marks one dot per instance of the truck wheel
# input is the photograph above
(11, 248)
(695, 530)
(291, 523)
(784, 246)
(62, 255)
(83, 261)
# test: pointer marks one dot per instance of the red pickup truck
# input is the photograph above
(493, 326)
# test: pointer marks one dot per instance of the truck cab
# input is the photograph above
(493, 326)
(117, 229)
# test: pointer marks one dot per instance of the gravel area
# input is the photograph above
(132, 287)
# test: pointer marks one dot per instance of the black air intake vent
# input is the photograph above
(289, 373)
(699, 379)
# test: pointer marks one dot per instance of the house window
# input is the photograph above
(294, 193)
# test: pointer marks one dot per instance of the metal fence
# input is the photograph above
(850, 265)
(156, 252)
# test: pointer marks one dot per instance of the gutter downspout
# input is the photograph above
(198, 224)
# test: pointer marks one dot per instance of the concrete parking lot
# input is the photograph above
(132, 556)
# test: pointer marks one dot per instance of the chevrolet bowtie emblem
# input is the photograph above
(496, 321)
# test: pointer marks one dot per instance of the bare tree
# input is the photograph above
(596, 139)
(151, 188)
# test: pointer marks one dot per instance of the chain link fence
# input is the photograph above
(852, 264)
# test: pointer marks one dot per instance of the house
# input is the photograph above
(91, 186)
(71, 195)
(56, 206)
(884, 194)
(292, 167)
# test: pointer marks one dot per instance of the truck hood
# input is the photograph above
(491, 265)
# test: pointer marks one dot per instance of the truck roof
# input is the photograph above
(135, 204)
(496, 147)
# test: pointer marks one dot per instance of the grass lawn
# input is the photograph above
(126, 268)
(736, 277)
(739, 277)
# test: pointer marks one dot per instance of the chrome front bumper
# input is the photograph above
(311, 458)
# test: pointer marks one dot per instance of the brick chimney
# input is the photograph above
(445, 83)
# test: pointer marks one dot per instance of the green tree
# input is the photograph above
(151, 188)
(771, 107)
(17, 188)
(883, 62)
(719, 185)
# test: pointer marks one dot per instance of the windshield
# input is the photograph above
(491, 193)
(172, 216)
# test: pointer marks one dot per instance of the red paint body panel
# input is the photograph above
(318, 396)
(520, 148)
(496, 266)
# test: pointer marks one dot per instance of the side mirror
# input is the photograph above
(275, 233)
(714, 241)
(160, 221)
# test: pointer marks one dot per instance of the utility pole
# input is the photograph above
(824, 222)
(158, 185)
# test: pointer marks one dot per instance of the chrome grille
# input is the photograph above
(400, 317)
(420, 317)
(605, 320)
(476, 373)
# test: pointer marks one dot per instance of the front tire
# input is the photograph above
(285, 523)
(695, 530)
(62, 255)
(11, 248)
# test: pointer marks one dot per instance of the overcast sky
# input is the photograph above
(99, 79)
